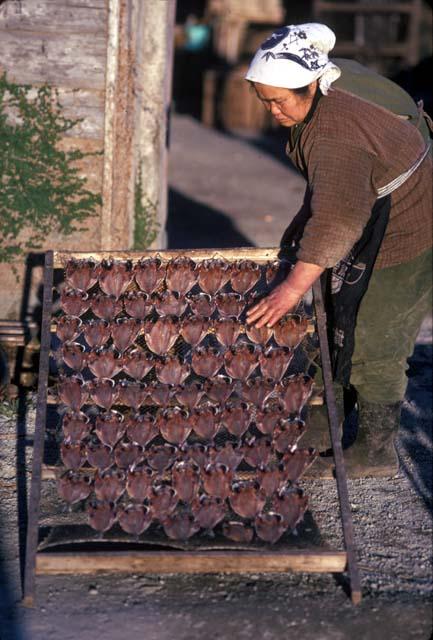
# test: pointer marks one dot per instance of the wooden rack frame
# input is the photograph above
(179, 561)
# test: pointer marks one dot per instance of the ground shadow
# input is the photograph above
(191, 224)
(416, 430)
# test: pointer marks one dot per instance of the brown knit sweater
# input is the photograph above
(348, 149)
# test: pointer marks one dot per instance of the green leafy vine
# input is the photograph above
(41, 191)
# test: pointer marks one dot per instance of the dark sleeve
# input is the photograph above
(342, 197)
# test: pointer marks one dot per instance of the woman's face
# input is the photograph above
(287, 107)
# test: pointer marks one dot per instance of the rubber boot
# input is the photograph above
(373, 453)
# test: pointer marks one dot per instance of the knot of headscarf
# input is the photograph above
(294, 56)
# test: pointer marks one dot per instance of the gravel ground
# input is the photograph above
(231, 191)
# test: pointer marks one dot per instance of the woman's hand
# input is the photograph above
(286, 296)
(270, 309)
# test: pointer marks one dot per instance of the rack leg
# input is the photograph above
(39, 437)
(340, 470)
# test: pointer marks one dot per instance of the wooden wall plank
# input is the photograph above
(75, 61)
(45, 17)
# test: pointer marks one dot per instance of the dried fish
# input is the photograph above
(231, 455)
(81, 274)
(230, 304)
(132, 394)
(274, 362)
(181, 275)
(139, 483)
(76, 426)
(110, 427)
(213, 275)
(268, 418)
(74, 303)
(74, 487)
(257, 451)
(247, 499)
(174, 425)
(236, 417)
(104, 363)
(72, 391)
(124, 331)
(169, 303)
(96, 333)
(160, 394)
(259, 336)
(189, 395)
(74, 356)
(180, 526)
(161, 457)
(193, 329)
(290, 331)
(206, 361)
(208, 511)
(161, 335)
(270, 478)
(137, 363)
(105, 307)
(134, 518)
(171, 370)
(103, 392)
(197, 452)
(241, 360)
(257, 391)
(115, 277)
(270, 526)
(244, 275)
(201, 304)
(141, 428)
(205, 421)
(73, 454)
(137, 304)
(101, 515)
(227, 331)
(186, 480)
(291, 504)
(163, 500)
(217, 479)
(287, 434)
(68, 328)
(149, 274)
(219, 389)
(98, 454)
(109, 485)
(127, 454)
(294, 392)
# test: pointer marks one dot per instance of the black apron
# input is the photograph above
(344, 287)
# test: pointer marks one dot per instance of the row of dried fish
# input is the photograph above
(139, 305)
(128, 440)
(126, 453)
(290, 395)
(205, 513)
(188, 481)
(239, 362)
(179, 274)
(159, 501)
(288, 332)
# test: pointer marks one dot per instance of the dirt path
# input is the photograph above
(228, 191)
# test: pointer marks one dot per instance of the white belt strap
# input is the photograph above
(401, 179)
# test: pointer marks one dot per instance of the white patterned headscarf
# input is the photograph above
(294, 56)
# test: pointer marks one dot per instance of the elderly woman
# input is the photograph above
(365, 226)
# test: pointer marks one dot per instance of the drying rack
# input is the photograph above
(180, 558)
